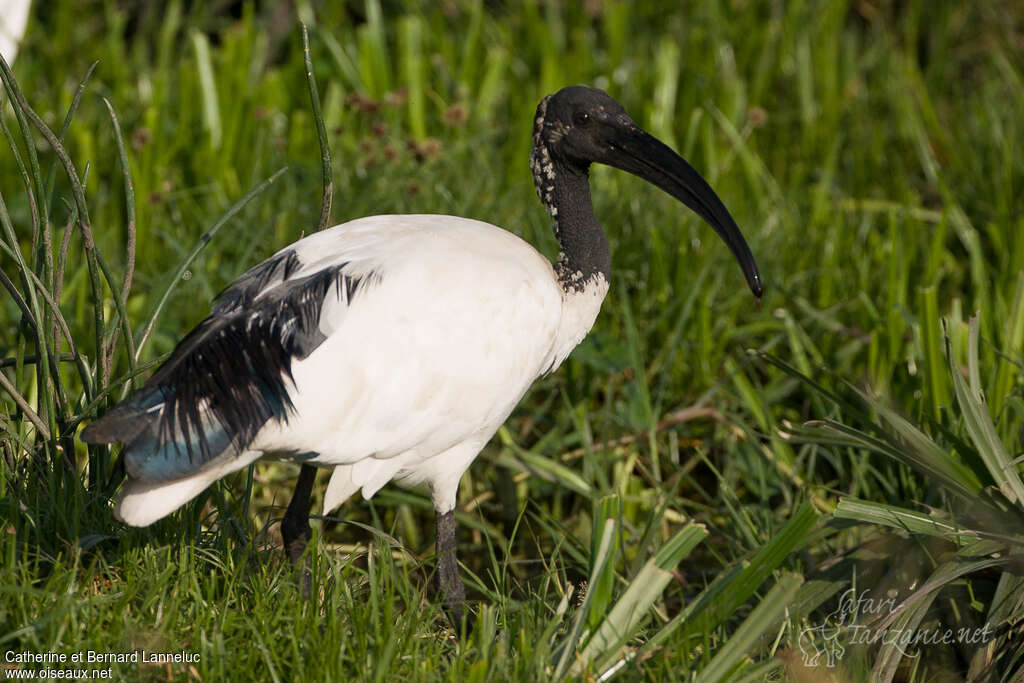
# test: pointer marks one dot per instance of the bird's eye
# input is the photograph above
(581, 118)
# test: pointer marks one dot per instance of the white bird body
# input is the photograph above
(420, 368)
(393, 347)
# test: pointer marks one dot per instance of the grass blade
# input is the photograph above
(769, 612)
(207, 88)
(645, 588)
(983, 434)
(321, 134)
(897, 518)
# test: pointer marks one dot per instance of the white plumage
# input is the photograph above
(420, 369)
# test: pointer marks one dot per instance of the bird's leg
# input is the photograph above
(295, 529)
(448, 580)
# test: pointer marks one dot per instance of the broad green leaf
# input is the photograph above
(646, 587)
(899, 518)
(770, 611)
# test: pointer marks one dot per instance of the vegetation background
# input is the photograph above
(694, 493)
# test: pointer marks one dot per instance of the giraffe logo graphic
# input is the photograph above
(826, 637)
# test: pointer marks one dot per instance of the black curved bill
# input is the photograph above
(647, 157)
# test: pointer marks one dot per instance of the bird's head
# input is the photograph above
(578, 126)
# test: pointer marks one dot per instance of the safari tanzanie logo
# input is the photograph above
(863, 619)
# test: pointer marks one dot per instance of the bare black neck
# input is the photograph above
(564, 189)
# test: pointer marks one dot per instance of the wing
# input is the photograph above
(229, 375)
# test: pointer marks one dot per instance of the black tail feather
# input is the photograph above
(122, 424)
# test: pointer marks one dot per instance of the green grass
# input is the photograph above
(704, 477)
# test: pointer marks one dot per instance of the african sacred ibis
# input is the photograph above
(393, 347)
